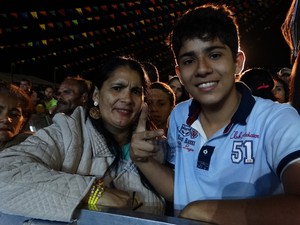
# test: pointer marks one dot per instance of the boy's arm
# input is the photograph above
(160, 176)
(280, 209)
(141, 151)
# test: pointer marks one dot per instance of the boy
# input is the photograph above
(235, 160)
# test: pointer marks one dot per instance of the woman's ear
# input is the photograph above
(96, 95)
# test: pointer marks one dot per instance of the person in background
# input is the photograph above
(40, 117)
(49, 100)
(280, 90)
(260, 82)
(82, 158)
(152, 71)
(161, 101)
(37, 100)
(73, 92)
(15, 109)
(179, 90)
(294, 97)
(236, 156)
(26, 85)
(290, 31)
(285, 74)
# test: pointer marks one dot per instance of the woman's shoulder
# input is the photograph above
(17, 139)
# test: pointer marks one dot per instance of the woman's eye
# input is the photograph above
(15, 114)
(137, 91)
(117, 88)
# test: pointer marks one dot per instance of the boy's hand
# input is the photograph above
(143, 141)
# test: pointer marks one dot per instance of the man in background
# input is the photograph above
(26, 86)
(72, 92)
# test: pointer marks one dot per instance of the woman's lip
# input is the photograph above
(124, 111)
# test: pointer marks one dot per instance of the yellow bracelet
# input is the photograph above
(97, 191)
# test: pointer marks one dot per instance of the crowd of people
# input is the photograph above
(210, 142)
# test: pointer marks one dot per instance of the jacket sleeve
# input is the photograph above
(33, 182)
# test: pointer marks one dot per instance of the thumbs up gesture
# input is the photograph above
(143, 141)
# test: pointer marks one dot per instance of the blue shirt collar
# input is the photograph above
(245, 107)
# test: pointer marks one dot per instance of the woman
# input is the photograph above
(161, 101)
(81, 158)
(37, 100)
(280, 90)
(178, 88)
(15, 109)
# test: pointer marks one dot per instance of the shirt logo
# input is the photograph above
(186, 131)
(241, 135)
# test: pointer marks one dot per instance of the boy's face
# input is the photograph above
(207, 70)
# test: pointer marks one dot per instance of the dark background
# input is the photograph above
(59, 38)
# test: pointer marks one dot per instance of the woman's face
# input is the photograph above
(279, 92)
(120, 99)
(11, 117)
(34, 98)
(177, 88)
(159, 107)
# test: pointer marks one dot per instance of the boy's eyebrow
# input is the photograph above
(208, 49)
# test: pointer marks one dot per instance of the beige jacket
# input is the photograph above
(47, 175)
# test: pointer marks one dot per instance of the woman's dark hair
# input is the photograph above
(294, 84)
(260, 82)
(113, 63)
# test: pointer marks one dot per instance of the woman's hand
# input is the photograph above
(115, 198)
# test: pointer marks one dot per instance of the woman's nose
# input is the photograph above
(126, 96)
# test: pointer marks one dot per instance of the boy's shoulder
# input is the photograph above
(183, 106)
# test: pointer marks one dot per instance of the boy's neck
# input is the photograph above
(214, 118)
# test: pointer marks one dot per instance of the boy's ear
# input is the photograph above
(240, 62)
(177, 70)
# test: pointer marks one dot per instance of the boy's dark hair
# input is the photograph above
(206, 22)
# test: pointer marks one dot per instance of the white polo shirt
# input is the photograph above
(245, 159)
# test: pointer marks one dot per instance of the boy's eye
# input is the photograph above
(215, 55)
(187, 61)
